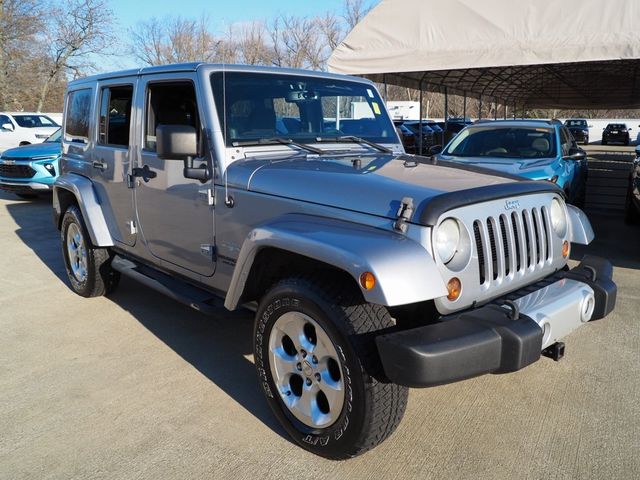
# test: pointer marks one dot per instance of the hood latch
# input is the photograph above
(404, 215)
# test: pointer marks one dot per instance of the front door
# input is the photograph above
(174, 213)
(112, 157)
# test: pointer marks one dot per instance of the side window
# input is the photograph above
(115, 116)
(566, 140)
(4, 120)
(169, 104)
(76, 127)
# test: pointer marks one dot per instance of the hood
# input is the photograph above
(533, 169)
(33, 150)
(373, 184)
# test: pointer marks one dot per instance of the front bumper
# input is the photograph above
(24, 187)
(497, 338)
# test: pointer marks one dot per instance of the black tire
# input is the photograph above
(626, 142)
(586, 141)
(604, 142)
(27, 196)
(100, 278)
(374, 407)
(631, 213)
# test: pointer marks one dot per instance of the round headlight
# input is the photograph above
(447, 239)
(558, 218)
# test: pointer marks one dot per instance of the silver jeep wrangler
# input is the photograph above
(288, 192)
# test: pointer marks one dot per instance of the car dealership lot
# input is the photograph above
(138, 386)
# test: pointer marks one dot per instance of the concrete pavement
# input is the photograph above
(138, 386)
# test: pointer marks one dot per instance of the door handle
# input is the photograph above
(100, 165)
(143, 172)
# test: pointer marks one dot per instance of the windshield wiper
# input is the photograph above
(281, 141)
(354, 139)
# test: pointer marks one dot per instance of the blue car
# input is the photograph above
(32, 169)
(534, 149)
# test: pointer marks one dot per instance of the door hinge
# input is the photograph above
(207, 194)
(404, 215)
(208, 251)
(131, 181)
(133, 229)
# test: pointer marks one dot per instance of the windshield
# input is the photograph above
(504, 142)
(576, 123)
(54, 137)
(33, 121)
(264, 105)
(616, 126)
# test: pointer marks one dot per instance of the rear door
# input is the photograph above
(175, 213)
(112, 157)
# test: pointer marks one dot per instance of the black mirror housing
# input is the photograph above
(577, 154)
(176, 142)
(435, 150)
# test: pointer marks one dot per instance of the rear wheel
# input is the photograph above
(88, 267)
(319, 369)
(604, 142)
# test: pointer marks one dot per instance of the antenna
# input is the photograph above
(228, 200)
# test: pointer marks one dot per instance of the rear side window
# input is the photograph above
(76, 127)
(115, 116)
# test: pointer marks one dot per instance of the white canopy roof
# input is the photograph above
(538, 53)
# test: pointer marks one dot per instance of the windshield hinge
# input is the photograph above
(404, 215)
(131, 181)
(207, 195)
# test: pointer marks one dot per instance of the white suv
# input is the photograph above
(23, 128)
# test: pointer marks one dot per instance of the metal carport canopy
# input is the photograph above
(533, 53)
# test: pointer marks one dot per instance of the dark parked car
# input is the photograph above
(408, 130)
(633, 191)
(616, 132)
(579, 128)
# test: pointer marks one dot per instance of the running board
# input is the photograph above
(196, 298)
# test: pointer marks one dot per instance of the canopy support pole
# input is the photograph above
(515, 110)
(420, 123)
(464, 107)
(386, 92)
(480, 108)
(446, 110)
(506, 110)
(495, 109)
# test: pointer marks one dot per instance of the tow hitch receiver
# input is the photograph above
(555, 351)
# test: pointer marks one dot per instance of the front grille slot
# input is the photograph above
(16, 171)
(508, 244)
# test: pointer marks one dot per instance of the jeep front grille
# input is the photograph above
(16, 171)
(512, 243)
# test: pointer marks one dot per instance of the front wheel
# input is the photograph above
(319, 368)
(88, 267)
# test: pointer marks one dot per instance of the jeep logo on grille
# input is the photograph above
(511, 204)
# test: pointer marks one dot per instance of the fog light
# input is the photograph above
(367, 280)
(554, 179)
(566, 249)
(454, 287)
(50, 168)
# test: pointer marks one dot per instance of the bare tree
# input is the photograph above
(20, 21)
(252, 44)
(78, 28)
(354, 11)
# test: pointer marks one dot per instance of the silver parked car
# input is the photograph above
(370, 270)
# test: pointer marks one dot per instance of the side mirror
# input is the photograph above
(576, 154)
(180, 142)
(7, 126)
(435, 150)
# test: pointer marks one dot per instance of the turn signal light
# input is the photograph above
(367, 280)
(454, 287)
(566, 249)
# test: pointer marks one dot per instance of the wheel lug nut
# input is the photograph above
(317, 376)
(308, 381)
(303, 353)
(299, 367)
(314, 359)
